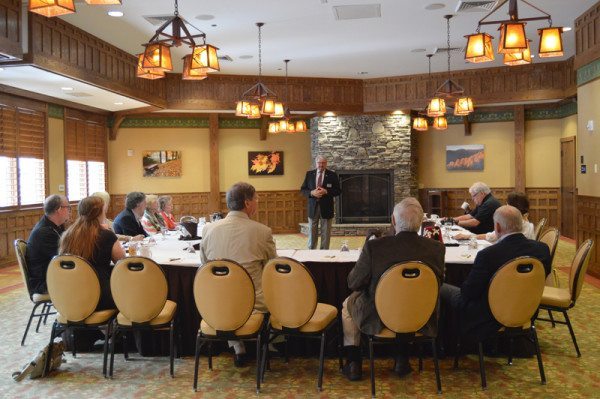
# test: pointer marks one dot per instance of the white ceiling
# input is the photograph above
(307, 32)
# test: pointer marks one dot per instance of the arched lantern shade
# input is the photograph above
(437, 107)
(158, 55)
(479, 48)
(192, 74)
(420, 124)
(147, 73)
(51, 8)
(551, 44)
(512, 38)
(205, 57)
(440, 123)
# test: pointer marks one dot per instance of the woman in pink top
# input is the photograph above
(165, 202)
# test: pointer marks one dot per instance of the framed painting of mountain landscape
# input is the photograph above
(464, 157)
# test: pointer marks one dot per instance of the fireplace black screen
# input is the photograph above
(367, 196)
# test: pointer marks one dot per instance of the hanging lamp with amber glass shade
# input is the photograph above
(147, 73)
(52, 8)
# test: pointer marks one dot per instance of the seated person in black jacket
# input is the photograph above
(128, 221)
(480, 220)
(42, 244)
(470, 301)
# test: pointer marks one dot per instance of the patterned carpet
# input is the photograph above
(81, 377)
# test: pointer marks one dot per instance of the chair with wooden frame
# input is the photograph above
(514, 295)
(225, 297)
(75, 291)
(291, 297)
(556, 299)
(139, 289)
(37, 299)
(405, 298)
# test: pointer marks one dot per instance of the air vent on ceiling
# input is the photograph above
(158, 20)
(78, 94)
(475, 5)
(444, 50)
(357, 11)
(225, 58)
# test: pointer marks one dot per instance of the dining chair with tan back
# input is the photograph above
(37, 299)
(405, 298)
(75, 291)
(225, 297)
(556, 299)
(514, 295)
(550, 237)
(291, 297)
(539, 228)
(139, 289)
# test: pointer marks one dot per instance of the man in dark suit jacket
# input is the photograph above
(43, 241)
(128, 221)
(320, 185)
(378, 255)
(470, 302)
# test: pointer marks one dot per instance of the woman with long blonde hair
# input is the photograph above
(98, 245)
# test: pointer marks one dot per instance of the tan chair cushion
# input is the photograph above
(99, 317)
(40, 297)
(164, 317)
(324, 314)
(250, 327)
(387, 333)
(560, 297)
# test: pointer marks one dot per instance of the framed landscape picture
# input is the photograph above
(161, 163)
(265, 163)
(464, 157)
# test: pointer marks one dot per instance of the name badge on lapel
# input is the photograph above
(328, 185)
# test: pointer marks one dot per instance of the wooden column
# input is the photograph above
(214, 199)
(519, 113)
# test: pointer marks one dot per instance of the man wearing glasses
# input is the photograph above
(481, 219)
(42, 245)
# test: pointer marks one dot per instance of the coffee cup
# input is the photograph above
(465, 206)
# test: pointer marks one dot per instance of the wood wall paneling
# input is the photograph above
(545, 81)
(587, 37)
(519, 122)
(10, 29)
(588, 227)
(60, 47)
(13, 225)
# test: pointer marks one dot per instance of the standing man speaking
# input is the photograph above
(320, 186)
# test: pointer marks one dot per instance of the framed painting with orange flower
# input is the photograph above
(265, 163)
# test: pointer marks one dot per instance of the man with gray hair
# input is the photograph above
(42, 244)
(480, 220)
(469, 303)
(320, 186)
(128, 221)
(239, 238)
(377, 256)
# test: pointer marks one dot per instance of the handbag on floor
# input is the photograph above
(35, 368)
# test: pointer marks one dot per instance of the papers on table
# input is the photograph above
(320, 255)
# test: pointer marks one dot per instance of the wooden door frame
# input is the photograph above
(575, 192)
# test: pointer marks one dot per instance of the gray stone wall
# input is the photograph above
(369, 142)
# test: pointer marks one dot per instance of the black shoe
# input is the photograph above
(353, 370)
(402, 367)
(239, 360)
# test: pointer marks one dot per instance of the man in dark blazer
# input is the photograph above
(470, 301)
(128, 221)
(378, 255)
(320, 185)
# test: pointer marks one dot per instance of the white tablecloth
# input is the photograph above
(172, 251)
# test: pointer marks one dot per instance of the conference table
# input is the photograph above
(329, 268)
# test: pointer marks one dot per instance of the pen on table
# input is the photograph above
(172, 259)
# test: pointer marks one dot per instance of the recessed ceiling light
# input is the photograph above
(118, 103)
(566, 28)
(67, 88)
(418, 50)
(434, 6)
(116, 14)
(205, 17)
(246, 57)
(214, 25)
(363, 73)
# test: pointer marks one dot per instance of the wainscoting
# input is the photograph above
(588, 226)
(13, 225)
(543, 202)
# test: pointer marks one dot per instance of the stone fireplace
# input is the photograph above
(371, 145)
